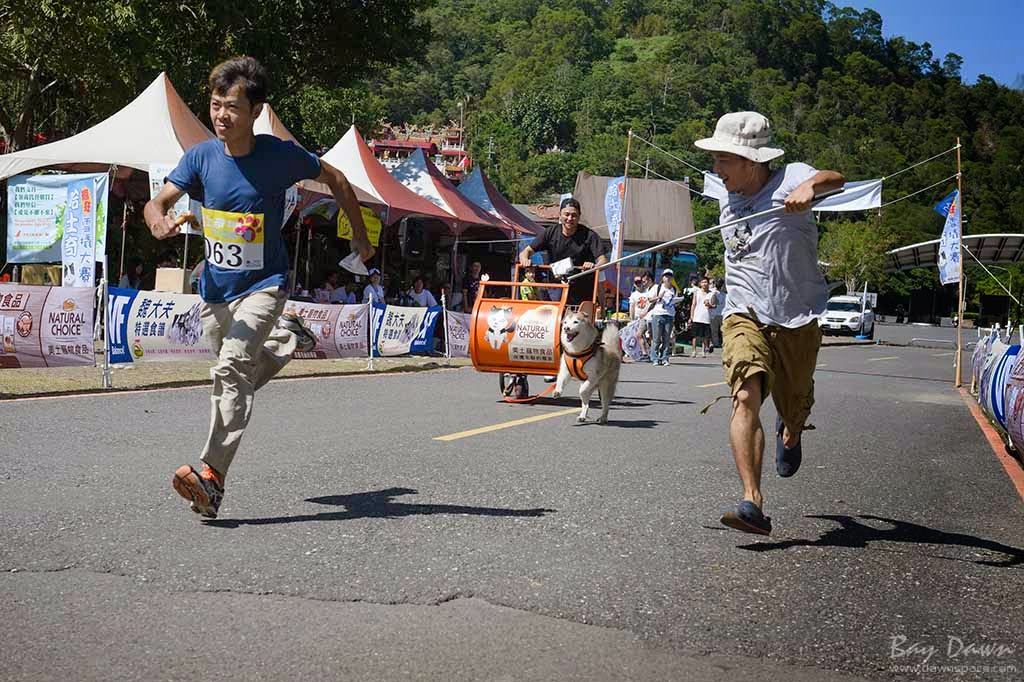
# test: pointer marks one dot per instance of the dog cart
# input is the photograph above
(515, 338)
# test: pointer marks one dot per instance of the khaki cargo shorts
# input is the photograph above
(785, 357)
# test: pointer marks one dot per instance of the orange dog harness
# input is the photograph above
(574, 361)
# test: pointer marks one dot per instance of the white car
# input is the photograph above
(843, 316)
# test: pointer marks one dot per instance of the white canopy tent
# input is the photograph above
(988, 248)
(155, 127)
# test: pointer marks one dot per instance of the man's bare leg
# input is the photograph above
(747, 438)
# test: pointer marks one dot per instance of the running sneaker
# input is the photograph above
(202, 488)
(296, 325)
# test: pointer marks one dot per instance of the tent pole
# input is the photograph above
(309, 256)
(960, 253)
(295, 261)
(124, 229)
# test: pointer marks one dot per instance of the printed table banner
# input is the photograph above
(458, 334)
(147, 326)
(36, 211)
(341, 330)
(45, 326)
(632, 339)
(399, 330)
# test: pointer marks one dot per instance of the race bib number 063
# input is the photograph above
(234, 241)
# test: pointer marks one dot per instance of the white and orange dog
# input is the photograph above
(592, 358)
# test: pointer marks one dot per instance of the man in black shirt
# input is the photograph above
(571, 240)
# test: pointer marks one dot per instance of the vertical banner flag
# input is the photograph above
(458, 334)
(36, 210)
(613, 210)
(949, 245)
(399, 330)
(78, 245)
(157, 173)
(45, 326)
(341, 331)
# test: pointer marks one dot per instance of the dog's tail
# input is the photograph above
(610, 339)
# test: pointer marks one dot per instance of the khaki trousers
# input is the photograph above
(251, 348)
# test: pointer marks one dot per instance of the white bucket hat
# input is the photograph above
(744, 133)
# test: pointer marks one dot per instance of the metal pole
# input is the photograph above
(370, 311)
(447, 342)
(960, 253)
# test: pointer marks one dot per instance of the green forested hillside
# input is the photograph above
(574, 75)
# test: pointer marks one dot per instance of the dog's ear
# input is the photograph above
(587, 310)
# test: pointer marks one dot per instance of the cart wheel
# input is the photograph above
(513, 386)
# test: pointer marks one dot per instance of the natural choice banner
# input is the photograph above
(45, 326)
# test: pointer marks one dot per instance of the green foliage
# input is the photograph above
(326, 114)
(855, 252)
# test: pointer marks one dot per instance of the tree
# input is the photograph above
(854, 252)
(99, 54)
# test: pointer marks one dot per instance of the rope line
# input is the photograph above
(951, 177)
(971, 253)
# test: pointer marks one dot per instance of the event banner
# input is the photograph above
(45, 326)
(147, 326)
(340, 330)
(36, 210)
(78, 245)
(458, 334)
(949, 245)
(158, 172)
(370, 220)
(613, 209)
(398, 330)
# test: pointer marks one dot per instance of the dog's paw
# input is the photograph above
(602, 420)
(556, 394)
(581, 419)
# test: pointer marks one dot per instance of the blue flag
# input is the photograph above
(949, 245)
(942, 208)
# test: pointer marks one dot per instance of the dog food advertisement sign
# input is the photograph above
(519, 334)
(340, 330)
(45, 326)
(154, 325)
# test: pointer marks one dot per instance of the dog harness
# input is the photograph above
(574, 361)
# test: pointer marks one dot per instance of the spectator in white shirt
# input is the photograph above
(704, 301)
(374, 288)
(420, 295)
(342, 295)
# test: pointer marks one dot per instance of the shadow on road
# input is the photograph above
(376, 504)
(622, 424)
(853, 533)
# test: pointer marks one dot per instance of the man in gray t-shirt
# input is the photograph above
(770, 333)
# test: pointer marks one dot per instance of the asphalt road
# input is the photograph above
(354, 545)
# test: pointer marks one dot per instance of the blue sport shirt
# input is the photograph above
(243, 201)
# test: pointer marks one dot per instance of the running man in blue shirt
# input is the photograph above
(241, 179)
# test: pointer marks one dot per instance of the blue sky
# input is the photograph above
(988, 34)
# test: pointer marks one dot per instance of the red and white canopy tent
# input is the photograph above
(479, 190)
(353, 158)
(268, 123)
(423, 177)
(155, 127)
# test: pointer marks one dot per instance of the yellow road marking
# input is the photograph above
(890, 357)
(506, 425)
(719, 383)
(943, 355)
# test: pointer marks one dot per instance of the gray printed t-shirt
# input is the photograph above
(771, 263)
